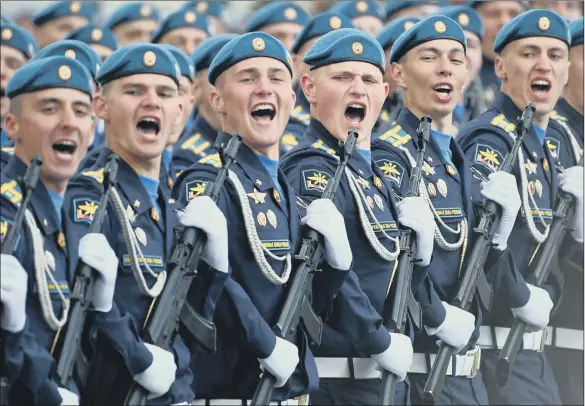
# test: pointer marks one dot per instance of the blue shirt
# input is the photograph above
(366, 154)
(272, 168)
(540, 133)
(57, 201)
(151, 186)
(458, 112)
(167, 156)
(444, 142)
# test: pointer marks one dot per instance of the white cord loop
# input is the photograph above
(577, 151)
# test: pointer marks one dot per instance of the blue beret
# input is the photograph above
(5, 20)
(184, 18)
(320, 25)
(466, 17)
(246, 46)
(346, 44)
(139, 58)
(394, 29)
(360, 8)
(393, 7)
(92, 34)
(18, 38)
(49, 73)
(576, 28)
(62, 9)
(208, 49)
(132, 12)
(210, 8)
(75, 50)
(431, 28)
(533, 23)
(277, 12)
(185, 64)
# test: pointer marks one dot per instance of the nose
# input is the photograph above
(543, 63)
(445, 66)
(68, 119)
(264, 87)
(151, 100)
(357, 87)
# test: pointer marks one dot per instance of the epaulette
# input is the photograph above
(289, 139)
(11, 191)
(320, 145)
(502, 122)
(196, 144)
(300, 114)
(8, 150)
(212, 160)
(396, 136)
(97, 175)
(554, 115)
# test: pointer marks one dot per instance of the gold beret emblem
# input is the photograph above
(361, 6)
(190, 17)
(202, 6)
(145, 10)
(335, 22)
(463, 20)
(70, 54)
(6, 34)
(290, 13)
(258, 44)
(543, 23)
(96, 34)
(64, 73)
(440, 27)
(408, 24)
(75, 7)
(149, 59)
(357, 48)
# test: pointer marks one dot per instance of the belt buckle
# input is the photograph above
(543, 337)
(303, 400)
(476, 361)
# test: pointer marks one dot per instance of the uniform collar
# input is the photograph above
(574, 118)
(4, 140)
(252, 167)
(201, 126)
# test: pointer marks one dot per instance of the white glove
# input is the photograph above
(13, 288)
(537, 311)
(282, 362)
(68, 397)
(323, 217)
(203, 213)
(571, 181)
(456, 329)
(415, 213)
(502, 189)
(160, 375)
(398, 356)
(96, 252)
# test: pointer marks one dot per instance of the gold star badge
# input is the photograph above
(428, 169)
(365, 184)
(378, 182)
(530, 166)
(190, 17)
(64, 73)
(258, 182)
(137, 203)
(257, 196)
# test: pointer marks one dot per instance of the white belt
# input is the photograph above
(531, 341)
(339, 368)
(565, 338)
(465, 365)
(300, 401)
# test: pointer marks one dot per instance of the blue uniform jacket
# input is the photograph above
(251, 303)
(490, 81)
(193, 145)
(390, 110)
(5, 155)
(297, 123)
(486, 142)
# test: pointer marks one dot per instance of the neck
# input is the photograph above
(441, 123)
(58, 187)
(270, 152)
(210, 116)
(363, 141)
(574, 100)
(540, 120)
(143, 167)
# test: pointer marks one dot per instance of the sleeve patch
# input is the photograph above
(500, 121)
(195, 188)
(84, 210)
(392, 170)
(553, 146)
(315, 181)
(212, 160)
(11, 191)
(5, 225)
(396, 136)
(97, 175)
(488, 157)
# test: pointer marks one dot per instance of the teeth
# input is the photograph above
(152, 120)
(263, 107)
(356, 106)
(443, 87)
(540, 82)
(66, 143)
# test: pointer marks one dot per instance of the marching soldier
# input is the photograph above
(346, 90)
(101, 40)
(51, 117)
(252, 75)
(139, 104)
(58, 19)
(532, 60)
(411, 8)
(133, 22)
(429, 64)
(564, 139)
(365, 15)
(185, 29)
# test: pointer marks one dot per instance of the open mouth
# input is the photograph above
(355, 112)
(263, 112)
(149, 126)
(65, 147)
(540, 85)
(2, 92)
(444, 89)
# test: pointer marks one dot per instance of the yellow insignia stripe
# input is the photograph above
(289, 139)
(448, 212)
(396, 136)
(8, 150)
(304, 117)
(500, 121)
(201, 147)
(385, 226)
(97, 175)
(187, 144)
(11, 191)
(320, 145)
(150, 260)
(545, 213)
(212, 159)
(556, 116)
(276, 245)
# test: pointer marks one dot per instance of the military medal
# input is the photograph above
(137, 203)
(378, 182)
(50, 260)
(258, 182)
(379, 202)
(432, 189)
(429, 170)
(257, 196)
(276, 196)
(271, 218)
(370, 202)
(130, 214)
(140, 236)
(261, 219)
(450, 170)
(531, 187)
(442, 187)
(538, 185)
(61, 239)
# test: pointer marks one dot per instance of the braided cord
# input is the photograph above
(577, 151)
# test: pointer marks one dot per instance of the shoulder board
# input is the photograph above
(11, 191)
(212, 160)
(319, 144)
(289, 140)
(300, 114)
(556, 116)
(8, 150)
(396, 136)
(384, 115)
(196, 144)
(97, 175)
(502, 122)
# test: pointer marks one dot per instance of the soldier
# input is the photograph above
(411, 8)
(429, 64)
(565, 143)
(365, 15)
(58, 19)
(346, 90)
(101, 40)
(50, 116)
(252, 75)
(212, 10)
(532, 60)
(198, 138)
(185, 29)
(571, 10)
(393, 102)
(317, 27)
(139, 104)
(281, 19)
(133, 22)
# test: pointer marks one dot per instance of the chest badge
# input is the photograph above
(530, 166)
(442, 187)
(136, 203)
(378, 183)
(365, 184)
(141, 236)
(432, 190)
(130, 213)
(261, 217)
(276, 195)
(370, 202)
(61, 239)
(154, 214)
(257, 196)
(271, 218)
(379, 202)
(450, 170)
(538, 186)
(428, 169)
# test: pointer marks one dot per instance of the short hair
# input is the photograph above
(15, 106)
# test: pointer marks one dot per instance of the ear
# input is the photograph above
(197, 88)
(500, 68)
(92, 134)
(100, 107)
(567, 74)
(397, 72)
(216, 101)
(294, 101)
(11, 126)
(308, 86)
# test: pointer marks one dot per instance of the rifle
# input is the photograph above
(164, 323)
(474, 274)
(83, 287)
(564, 206)
(400, 303)
(297, 306)
(28, 185)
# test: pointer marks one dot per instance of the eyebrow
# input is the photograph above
(438, 51)
(49, 100)
(143, 86)
(539, 48)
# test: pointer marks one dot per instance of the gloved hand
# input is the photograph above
(13, 289)
(282, 362)
(96, 252)
(502, 189)
(415, 213)
(68, 397)
(398, 356)
(323, 216)
(571, 181)
(537, 311)
(203, 213)
(160, 375)
(456, 329)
